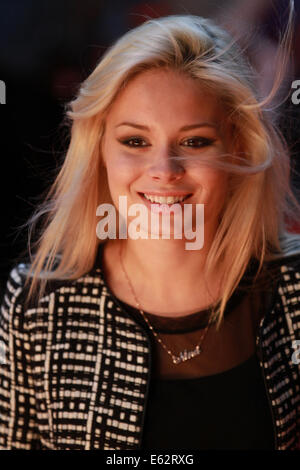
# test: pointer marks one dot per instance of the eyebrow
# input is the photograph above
(184, 128)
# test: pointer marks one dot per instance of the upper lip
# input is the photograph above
(166, 193)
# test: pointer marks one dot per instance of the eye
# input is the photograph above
(134, 142)
(200, 142)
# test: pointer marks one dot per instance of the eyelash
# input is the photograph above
(205, 142)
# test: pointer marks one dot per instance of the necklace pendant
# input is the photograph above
(186, 355)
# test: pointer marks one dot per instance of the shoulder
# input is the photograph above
(19, 281)
(289, 257)
(290, 246)
(12, 317)
(288, 282)
(15, 283)
(68, 300)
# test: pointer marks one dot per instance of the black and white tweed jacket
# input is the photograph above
(76, 368)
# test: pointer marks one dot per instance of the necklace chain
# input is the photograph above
(183, 355)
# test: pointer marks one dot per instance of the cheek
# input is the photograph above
(219, 181)
(212, 180)
(214, 186)
(121, 172)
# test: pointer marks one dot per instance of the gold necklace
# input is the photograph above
(184, 355)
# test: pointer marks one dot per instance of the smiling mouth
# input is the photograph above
(154, 199)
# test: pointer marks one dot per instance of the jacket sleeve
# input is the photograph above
(18, 428)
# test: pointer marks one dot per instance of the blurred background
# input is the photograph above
(48, 47)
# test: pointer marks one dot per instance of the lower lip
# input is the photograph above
(164, 207)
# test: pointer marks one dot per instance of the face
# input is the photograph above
(159, 115)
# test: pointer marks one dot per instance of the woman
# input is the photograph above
(138, 342)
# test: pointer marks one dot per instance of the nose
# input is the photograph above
(166, 167)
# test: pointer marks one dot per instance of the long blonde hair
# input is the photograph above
(260, 200)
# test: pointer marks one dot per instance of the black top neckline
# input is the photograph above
(186, 323)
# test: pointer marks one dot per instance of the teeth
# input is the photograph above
(165, 200)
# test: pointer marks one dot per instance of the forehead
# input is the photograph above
(164, 95)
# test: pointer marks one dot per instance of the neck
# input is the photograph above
(163, 261)
(164, 274)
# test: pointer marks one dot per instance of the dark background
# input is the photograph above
(48, 47)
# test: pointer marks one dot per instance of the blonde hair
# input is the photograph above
(253, 218)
